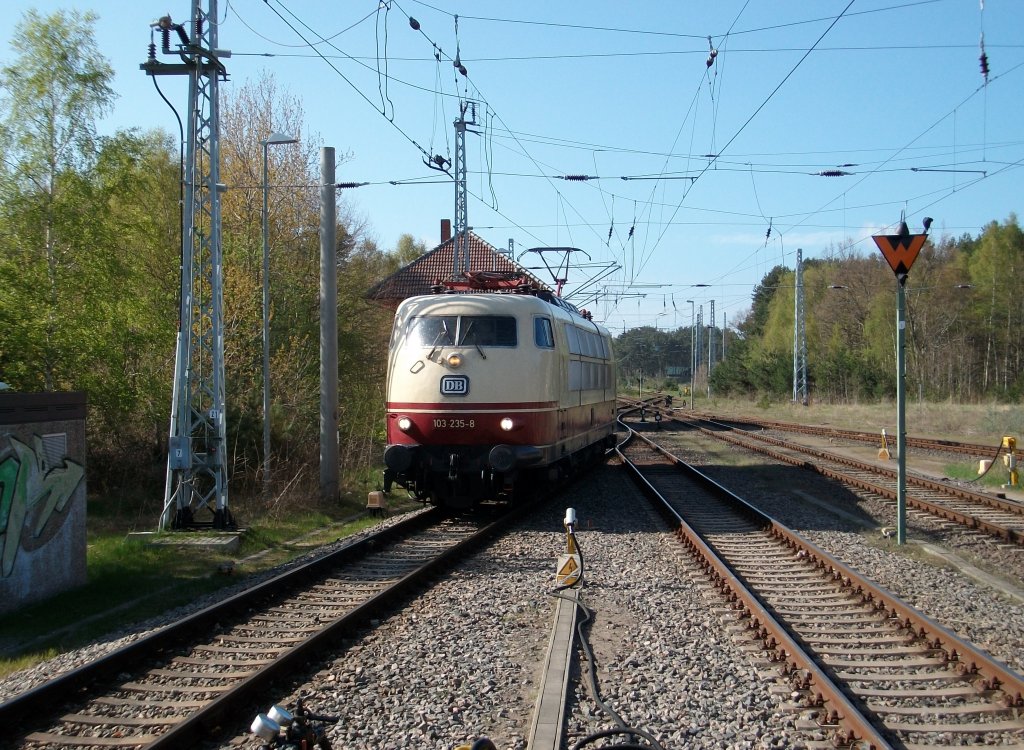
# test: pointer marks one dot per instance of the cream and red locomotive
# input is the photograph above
(487, 391)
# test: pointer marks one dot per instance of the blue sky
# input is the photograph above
(697, 161)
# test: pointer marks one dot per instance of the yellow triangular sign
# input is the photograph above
(569, 570)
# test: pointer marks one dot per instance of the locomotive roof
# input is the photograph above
(479, 301)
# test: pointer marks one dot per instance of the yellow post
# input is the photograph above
(1010, 460)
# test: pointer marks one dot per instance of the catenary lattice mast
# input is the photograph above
(460, 254)
(800, 395)
(196, 466)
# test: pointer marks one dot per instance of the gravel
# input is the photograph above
(980, 612)
(463, 659)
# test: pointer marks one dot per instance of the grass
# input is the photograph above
(994, 479)
(977, 423)
(130, 581)
(985, 424)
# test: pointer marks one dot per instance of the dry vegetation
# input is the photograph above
(975, 423)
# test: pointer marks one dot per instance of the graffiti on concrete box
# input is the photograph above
(32, 498)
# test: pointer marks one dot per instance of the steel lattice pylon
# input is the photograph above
(460, 254)
(196, 467)
(799, 335)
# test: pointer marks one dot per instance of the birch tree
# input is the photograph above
(53, 92)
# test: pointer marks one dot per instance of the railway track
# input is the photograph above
(974, 450)
(172, 688)
(993, 515)
(866, 670)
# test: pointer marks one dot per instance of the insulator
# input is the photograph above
(414, 23)
(984, 65)
(462, 69)
(711, 61)
(199, 30)
(165, 38)
(152, 50)
(576, 177)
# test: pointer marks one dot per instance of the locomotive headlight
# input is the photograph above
(454, 359)
(404, 424)
(506, 424)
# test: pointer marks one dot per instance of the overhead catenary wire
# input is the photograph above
(342, 75)
(663, 33)
(757, 110)
(571, 215)
(497, 135)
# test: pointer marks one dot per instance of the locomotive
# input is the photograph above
(491, 389)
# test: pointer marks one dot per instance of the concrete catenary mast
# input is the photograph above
(196, 491)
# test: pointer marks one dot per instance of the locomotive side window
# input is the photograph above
(543, 335)
(487, 330)
(572, 334)
(585, 376)
(588, 375)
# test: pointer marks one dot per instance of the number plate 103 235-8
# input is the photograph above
(445, 423)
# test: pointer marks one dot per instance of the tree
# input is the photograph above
(995, 267)
(56, 88)
(407, 250)
(248, 117)
(764, 293)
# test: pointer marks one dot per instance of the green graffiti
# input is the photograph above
(26, 488)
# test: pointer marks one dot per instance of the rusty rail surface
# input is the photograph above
(990, 688)
(198, 674)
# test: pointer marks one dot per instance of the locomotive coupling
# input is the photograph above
(570, 565)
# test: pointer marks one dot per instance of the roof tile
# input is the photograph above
(419, 276)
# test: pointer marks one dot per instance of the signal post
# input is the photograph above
(900, 251)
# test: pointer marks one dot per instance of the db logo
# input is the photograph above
(454, 385)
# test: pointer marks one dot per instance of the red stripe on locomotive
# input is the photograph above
(446, 426)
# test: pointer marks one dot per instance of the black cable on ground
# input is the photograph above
(623, 728)
(992, 463)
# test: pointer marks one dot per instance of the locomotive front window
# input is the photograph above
(433, 330)
(462, 330)
(487, 330)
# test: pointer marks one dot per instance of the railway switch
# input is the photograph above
(570, 565)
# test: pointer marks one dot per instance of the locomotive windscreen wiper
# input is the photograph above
(443, 332)
(465, 338)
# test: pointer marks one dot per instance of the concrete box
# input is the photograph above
(42, 496)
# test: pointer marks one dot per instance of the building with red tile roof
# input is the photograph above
(426, 272)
